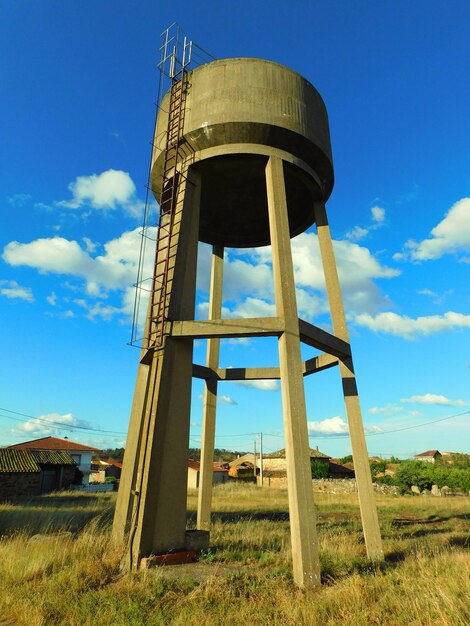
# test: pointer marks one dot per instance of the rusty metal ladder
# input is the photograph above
(165, 248)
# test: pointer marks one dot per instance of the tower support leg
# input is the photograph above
(210, 396)
(365, 490)
(156, 481)
(306, 564)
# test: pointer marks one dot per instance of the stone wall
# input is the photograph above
(330, 485)
(348, 485)
(440, 492)
(274, 465)
(19, 484)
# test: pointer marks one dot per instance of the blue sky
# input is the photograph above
(78, 85)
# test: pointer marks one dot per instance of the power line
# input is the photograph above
(395, 430)
(343, 436)
(57, 423)
(66, 426)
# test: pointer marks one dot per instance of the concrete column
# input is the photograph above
(306, 564)
(159, 470)
(210, 396)
(367, 503)
(127, 499)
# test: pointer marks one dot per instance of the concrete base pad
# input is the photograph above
(197, 540)
(171, 558)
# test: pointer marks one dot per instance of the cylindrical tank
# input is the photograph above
(238, 112)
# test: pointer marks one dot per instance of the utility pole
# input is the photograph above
(254, 469)
(261, 476)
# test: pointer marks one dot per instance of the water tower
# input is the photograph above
(242, 158)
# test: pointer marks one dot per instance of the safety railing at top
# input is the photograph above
(178, 54)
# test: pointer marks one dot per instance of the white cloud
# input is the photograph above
(105, 191)
(226, 400)
(263, 385)
(437, 299)
(378, 214)
(331, 426)
(13, 291)
(433, 398)
(427, 292)
(45, 425)
(254, 307)
(18, 199)
(409, 328)
(378, 220)
(113, 270)
(248, 281)
(52, 299)
(241, 277)
(55, 254)
(221, 399)
(450, 236)
(389, 408)
(357, 269)
(90, 245)
(357, 233)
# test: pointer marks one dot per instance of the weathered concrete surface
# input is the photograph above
(250, 102)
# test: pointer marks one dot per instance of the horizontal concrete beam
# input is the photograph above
(249, 373)
(319, 363)
(201, 371)
(236, 373)
(320, 339)
(245, 327)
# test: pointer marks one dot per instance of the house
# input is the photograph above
(430, 456)
(219, 475)
(243, 467)
(113, 469)
(98, 471)
(34, 472)
(102, 469)
(80, 453)
(276, 461)
(338, 470)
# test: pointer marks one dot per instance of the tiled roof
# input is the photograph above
(196, 465)
(111, 462)
(246, 458)
(30, 461)
(18, 461)
(52, 443)
(281, 454)
(429, 453)
(51, 457)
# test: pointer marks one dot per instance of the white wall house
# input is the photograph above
(79, 452)
(219, 475)
(430, 456)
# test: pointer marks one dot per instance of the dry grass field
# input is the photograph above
(74, 579)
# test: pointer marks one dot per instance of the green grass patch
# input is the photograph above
(245, 576)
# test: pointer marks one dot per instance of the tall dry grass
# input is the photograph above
(245, 576)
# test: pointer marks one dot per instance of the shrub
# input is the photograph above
(424, 475)
(320, 469)
(377, 467)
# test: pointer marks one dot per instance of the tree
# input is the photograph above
(320, 469)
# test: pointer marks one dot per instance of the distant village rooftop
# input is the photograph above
(52, 443)
(18, 461)
(281, 454)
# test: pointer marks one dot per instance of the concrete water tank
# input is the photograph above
(237, 113)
